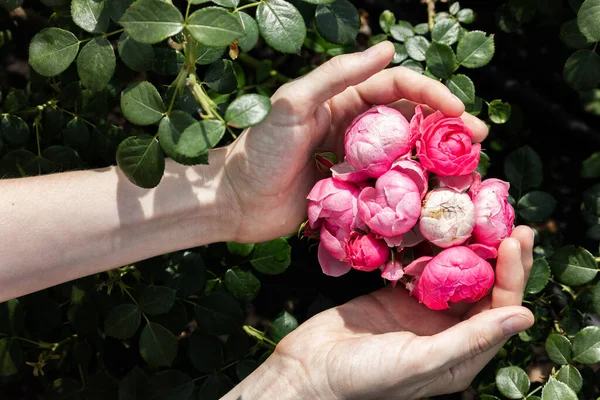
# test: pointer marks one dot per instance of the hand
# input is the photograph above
(270, 167)
(387, 345)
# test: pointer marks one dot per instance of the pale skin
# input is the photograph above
(61, 227)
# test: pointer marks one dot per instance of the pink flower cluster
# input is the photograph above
(407, 200)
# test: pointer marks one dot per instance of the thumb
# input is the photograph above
(337, 74)
(484, 333)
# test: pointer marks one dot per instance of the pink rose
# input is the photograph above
(366, 252)
(392, 207)
(494, 214)
(346, 172)
(414, 171)
(335, 201)
(445, 146)
(447, 217)
(392, 271)
(453, 275)
(377, 138)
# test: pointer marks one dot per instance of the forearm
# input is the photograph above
(60, 227)
(277, 378)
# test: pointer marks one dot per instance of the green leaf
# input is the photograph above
(227, 3)
(245, 368)
(475, 49)
(282, 326)
(570, 375)
(206, 352)
(421, 29)
(586, 345)
(337, 22)
(218, 313)
(573, 265)
(555, 390)
(171, 384)
(596, 298)
(281, 25)
(220, 76)
(538, 277)
(137, 56)
(558, 348)
(400, 53)
(523, 168)
(512, 382)
(466, 16)
(189, 276)
(536, 206)
(402, 31)
(134, 385)
(446, 31)
(414, 65)
(52, 51)
(454, 8)
(116, 8)
(62, 157)
(240, 249)
(158, 346)
(386, 20)
(188, 141)
(462, 87)
(90, 15)
(250, 28)
(242, 284)
(572, 37)
(587, 20)
(215, 387)
(151, 21)
(248, 110)
(96, 63)
(10, 5)
(214, 26)
(271, 258)
(590, 167)
(484, 164)
(141, 160)
(498, 111)
(207, 55)
(11, 317)
(14, 130)
(122, 321)
(318, 1)
(167, 61)
(11, 357)
(582, 70)
(155, 300)
(441, 60)
(141, 104)
(416, 47)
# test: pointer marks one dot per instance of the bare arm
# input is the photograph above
(60, 227)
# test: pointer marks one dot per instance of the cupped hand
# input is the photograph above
(270, 168)
(387, 345)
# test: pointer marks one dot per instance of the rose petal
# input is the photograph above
(330, 265)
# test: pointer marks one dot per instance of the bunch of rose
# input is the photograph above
(408, 201)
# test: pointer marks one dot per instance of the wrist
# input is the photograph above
(279, 377)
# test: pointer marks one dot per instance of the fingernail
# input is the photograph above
(515, 324)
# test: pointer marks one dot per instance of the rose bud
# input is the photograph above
(414, 171)
(445, 146)
(447, 217)
(453, 275)
(494, 216)
(336, 201)
(392, 207)
(332, 249)
(366, 252)
(392, 271)
(325, 160)
(376, 139)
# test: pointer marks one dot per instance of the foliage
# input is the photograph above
(128, 83)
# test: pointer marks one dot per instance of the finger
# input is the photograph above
(524, 235)
(336, 75)
(478, 127)
(402, 83)
(510, 276)
(476, 336)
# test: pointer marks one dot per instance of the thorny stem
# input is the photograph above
(249, 5)
(534, 391)
(430, 13)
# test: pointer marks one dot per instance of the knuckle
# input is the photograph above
(481, 343)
